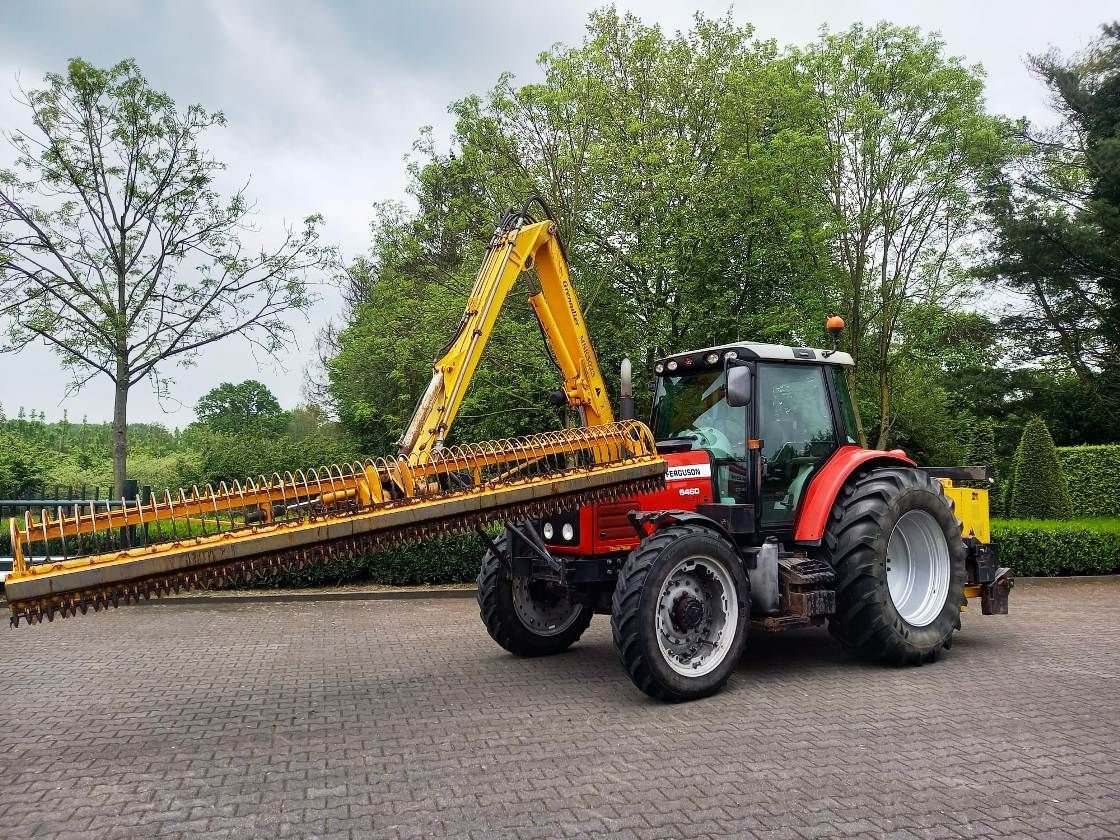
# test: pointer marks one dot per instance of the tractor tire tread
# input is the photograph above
(865, 621)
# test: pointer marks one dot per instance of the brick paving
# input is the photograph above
(402, 719)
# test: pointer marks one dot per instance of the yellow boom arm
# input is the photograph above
(517, 246)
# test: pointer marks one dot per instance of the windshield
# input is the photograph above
(695, 408)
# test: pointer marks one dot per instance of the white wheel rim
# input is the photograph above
(697, 650)
(545, 617)
(918, 568)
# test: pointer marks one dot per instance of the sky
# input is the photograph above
(324, 100)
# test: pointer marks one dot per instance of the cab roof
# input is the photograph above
(697, 359)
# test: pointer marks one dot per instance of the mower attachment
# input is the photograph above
(200, 538)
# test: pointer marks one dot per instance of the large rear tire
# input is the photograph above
(527, 617)
(900, 565)
(680, 613)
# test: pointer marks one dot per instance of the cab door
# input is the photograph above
(794, 422)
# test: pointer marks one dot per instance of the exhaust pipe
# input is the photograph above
(626, 392)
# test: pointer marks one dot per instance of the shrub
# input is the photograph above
(1093, 473)
(1049, 547)
(450, 559)
(1039, 489)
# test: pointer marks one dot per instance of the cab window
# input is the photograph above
(797, 431)
(848, 422)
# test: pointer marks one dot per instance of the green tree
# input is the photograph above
(982, 448)
(116, 249)
(907, 140)
(1056, 252)
(248, 406)
(23, 464)
(1039, 490)
(683, 173)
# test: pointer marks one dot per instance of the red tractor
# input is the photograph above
(774, 515)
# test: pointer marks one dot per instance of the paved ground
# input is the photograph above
(386, 719)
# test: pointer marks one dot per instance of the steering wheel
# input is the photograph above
(710, 438)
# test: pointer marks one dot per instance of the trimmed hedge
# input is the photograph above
(451, 559)
(1053, 547)
(1093, 473)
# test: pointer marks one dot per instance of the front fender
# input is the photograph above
(820, 497)
(646, 523)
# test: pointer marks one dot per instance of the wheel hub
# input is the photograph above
(697, 613)
(687, 613)
(546, 609)
(918, 568)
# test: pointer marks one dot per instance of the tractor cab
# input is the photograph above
(768, 416)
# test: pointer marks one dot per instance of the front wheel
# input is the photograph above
(680, 613)
(527, 617)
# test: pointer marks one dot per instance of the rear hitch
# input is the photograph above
(995, 593)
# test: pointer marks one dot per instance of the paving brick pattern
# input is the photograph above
(402, 719)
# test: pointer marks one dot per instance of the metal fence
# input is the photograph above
(46, 495)
(66, 496)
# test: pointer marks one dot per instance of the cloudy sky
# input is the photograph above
(324, 100)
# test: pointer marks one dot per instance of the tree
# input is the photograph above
(247, 406)
(24, 464)
(982, 449)
(682, 172)
(907, 139)
(1039, 490)
(116, 249)
(1057, 215)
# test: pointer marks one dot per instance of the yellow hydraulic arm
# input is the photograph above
(518, 244)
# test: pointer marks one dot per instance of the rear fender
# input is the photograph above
(820, 497)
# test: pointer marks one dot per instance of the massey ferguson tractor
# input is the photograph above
(749, 502)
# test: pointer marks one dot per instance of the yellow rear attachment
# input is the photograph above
(69, 560)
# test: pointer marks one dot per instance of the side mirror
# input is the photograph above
(738, 386)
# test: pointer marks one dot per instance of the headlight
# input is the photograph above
(567, 532)
(659, 368)
(547, 530)
(672, 365)
(731, 354)
(712, 358)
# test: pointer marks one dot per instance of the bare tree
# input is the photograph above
(117, 251)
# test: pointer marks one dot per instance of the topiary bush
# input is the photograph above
(1039, 489)
(1051, 547)
(1093, 473)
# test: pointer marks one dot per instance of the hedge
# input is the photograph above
(1052, 547)
(1093, 473)
(450, 559)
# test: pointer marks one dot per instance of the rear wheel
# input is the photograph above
(680, 613)
(527, 617)
(899, 559)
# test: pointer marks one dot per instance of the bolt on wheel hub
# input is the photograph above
(687, 613)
